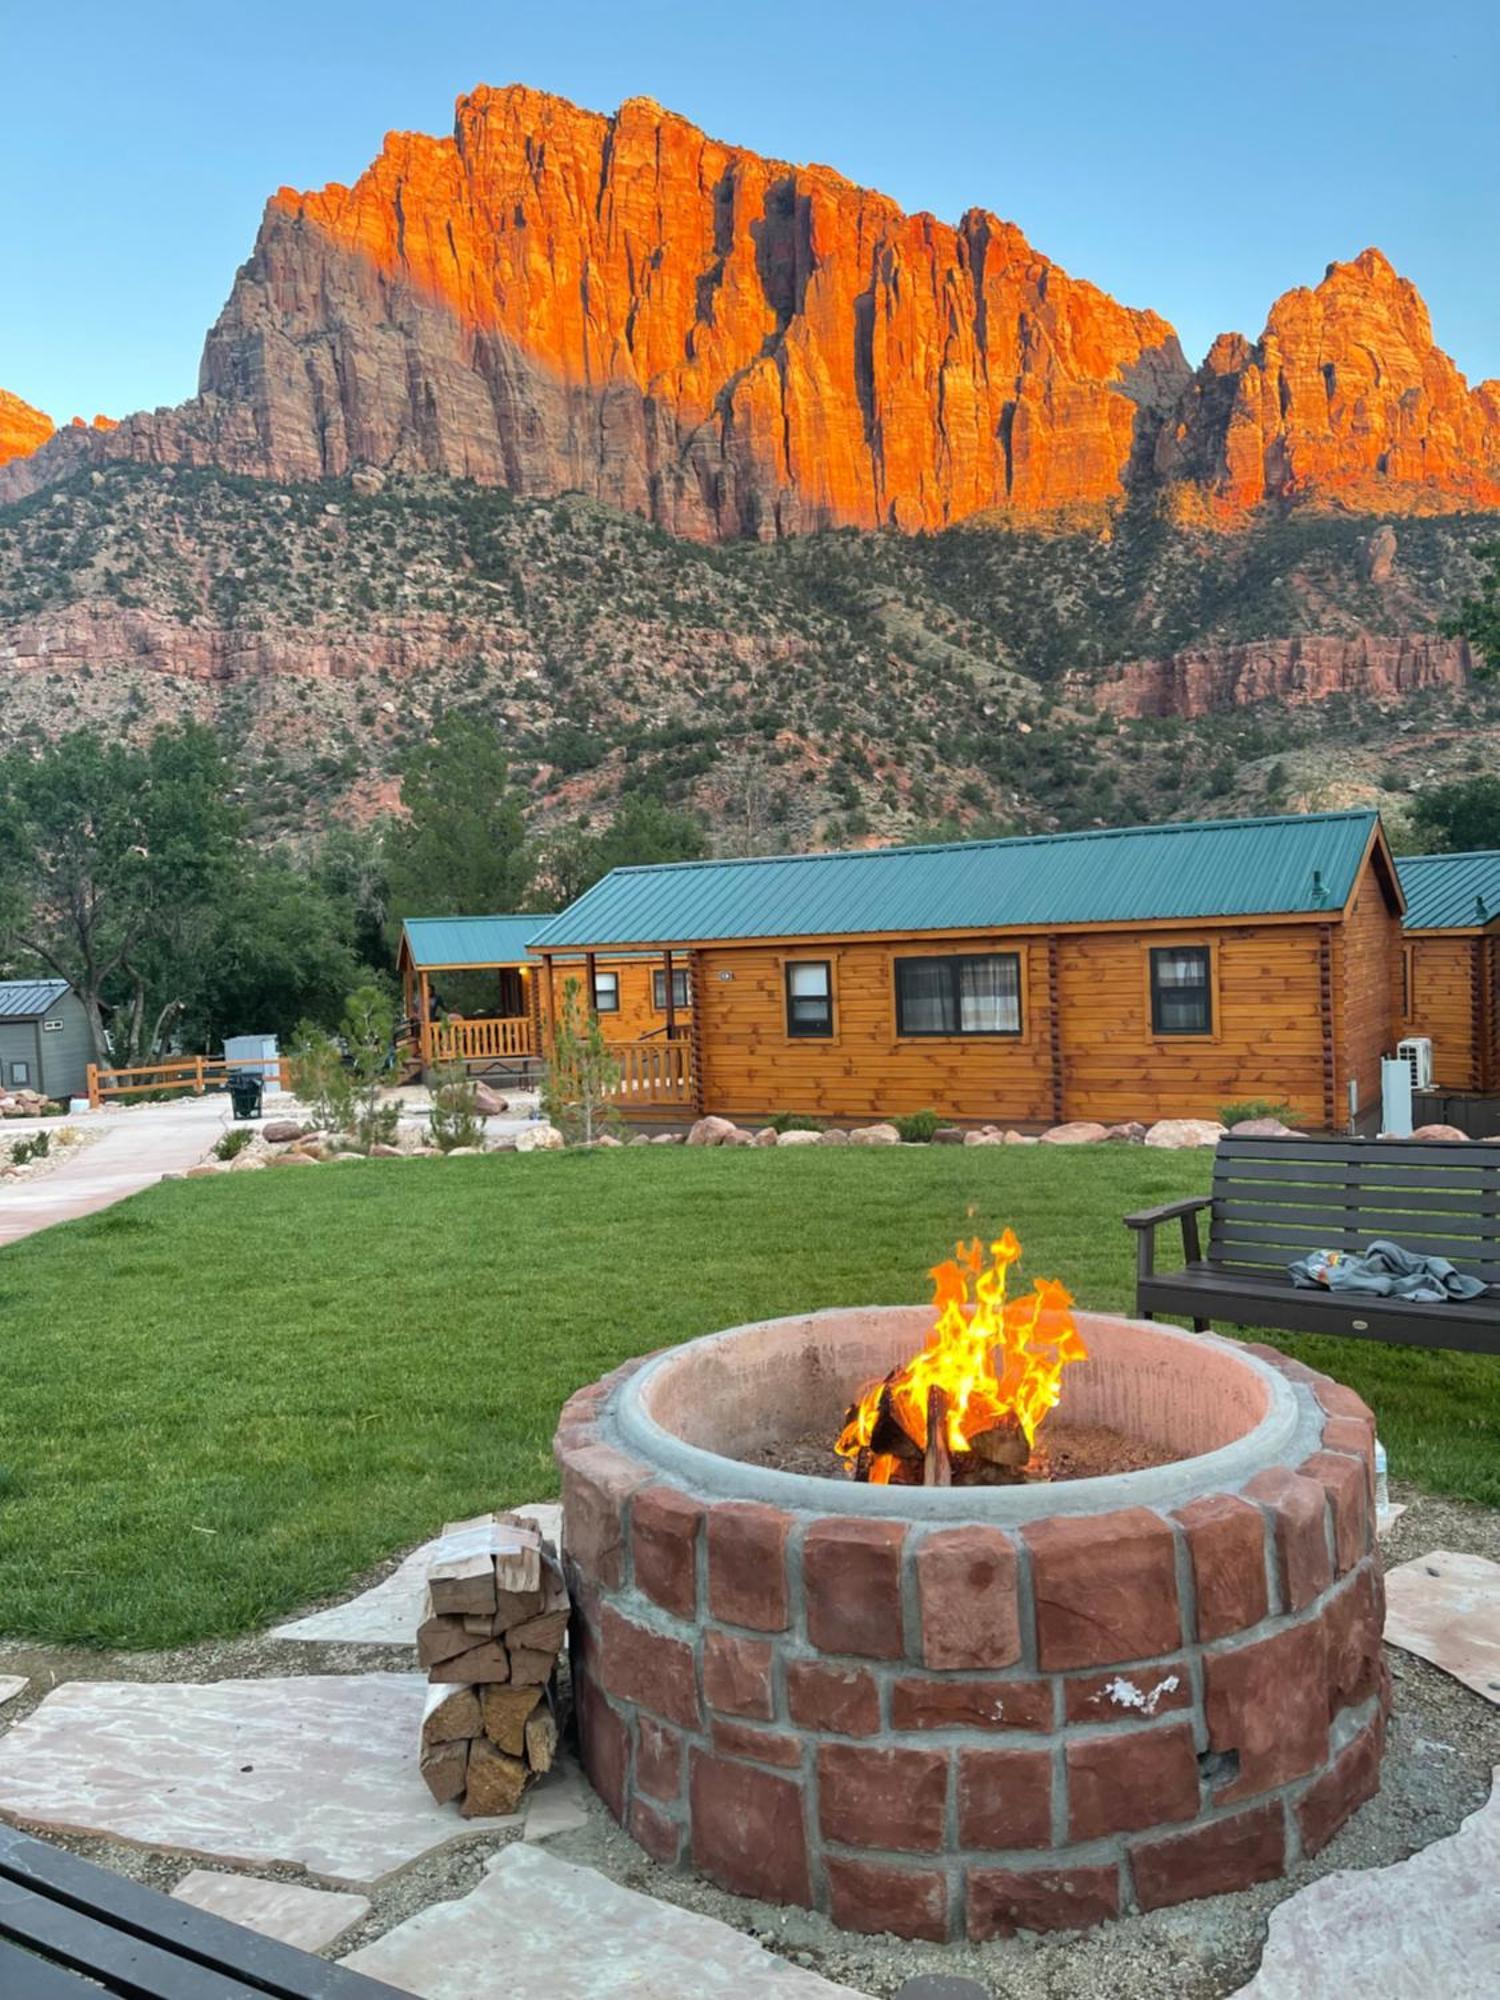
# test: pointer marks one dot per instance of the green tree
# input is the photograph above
(1477, 618)
(461, 849)
(643, 831)
(112, 863)
(277, 950)
(1457, 819)
(349, 866)
(581, 1072)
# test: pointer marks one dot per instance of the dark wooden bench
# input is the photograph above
(71, 1931)
(1274, 1200)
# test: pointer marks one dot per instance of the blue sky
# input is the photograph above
(1193, 159)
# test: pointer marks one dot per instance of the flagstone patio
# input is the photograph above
(1445, 1608)
(307, 1918)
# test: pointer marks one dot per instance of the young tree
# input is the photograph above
(112, 863)
(581, 1072)
(368, 1028)
(461, 849)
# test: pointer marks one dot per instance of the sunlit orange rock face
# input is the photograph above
(1345, 398)
(555, 300)
(22, 428)
(552, 299)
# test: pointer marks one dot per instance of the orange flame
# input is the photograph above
(995, 1358)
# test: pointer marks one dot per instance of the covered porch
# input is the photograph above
(644, 1003)
(470, 995)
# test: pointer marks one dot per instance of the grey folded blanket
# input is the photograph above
(1386, 1271)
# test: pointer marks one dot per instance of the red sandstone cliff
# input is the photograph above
(556, 300)
(1217, 679)
(22, 428)
(1345, 399)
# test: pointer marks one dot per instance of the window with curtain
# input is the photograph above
(606, 992)
(809, 997)
(959, 995)
(1181, 991)
(659, 990)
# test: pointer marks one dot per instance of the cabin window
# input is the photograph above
(959, 995)
(606, 992)
(809, 997)
(659, 990)
(20, 1072)
(1181, 991)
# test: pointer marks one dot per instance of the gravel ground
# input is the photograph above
(1443, 1746)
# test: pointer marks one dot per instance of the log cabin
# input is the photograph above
(1134, 973)
(1450, 965)
(471, 992)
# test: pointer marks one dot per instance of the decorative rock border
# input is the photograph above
(947, 1728)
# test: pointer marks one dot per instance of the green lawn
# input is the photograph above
(226, 1398)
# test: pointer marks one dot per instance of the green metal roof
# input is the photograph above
(1449, 892)
(1214, 868)
(432, 941)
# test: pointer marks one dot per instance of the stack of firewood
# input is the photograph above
(492, 1628)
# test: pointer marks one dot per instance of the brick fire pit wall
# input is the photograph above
(971, 1711)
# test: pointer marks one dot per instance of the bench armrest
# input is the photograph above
(1148, 1218)
(1146, 1222)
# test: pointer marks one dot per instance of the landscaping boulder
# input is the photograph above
(988, 1136)
(296, 1159)
(711, 1132)
(464, 1152)
(609, 1141)
(740, 1137)
(1079, 1132)
(381, 1151)
(1439, 1132)
(799, 1138)
(1263, 1128)
(489, 1103)
(281, 1131)
(1014, 1138)
(205, 1168)
(666, 1138)
(540, 1138)
(1131, 1133)
(766, 1136)
(875, 1135)
(834, 1136)
(1178, 1132)
(948, 1135)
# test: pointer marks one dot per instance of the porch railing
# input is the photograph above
(508, 1038)
(653, 1072)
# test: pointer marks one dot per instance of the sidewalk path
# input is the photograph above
(136, 1149)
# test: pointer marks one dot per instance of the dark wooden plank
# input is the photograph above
(24, 1977)
(127, 1965)
(1250, 1245)
(1283, 1199)
(1481, 1175)
(1471, 1329)
(1420, 1152)
(1357, 1227)
(266, 1965)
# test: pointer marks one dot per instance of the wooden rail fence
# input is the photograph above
(508, 1038)
(176, 1074)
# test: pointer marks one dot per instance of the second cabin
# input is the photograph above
(1142, 973)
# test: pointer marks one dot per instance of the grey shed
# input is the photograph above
(44, 1038)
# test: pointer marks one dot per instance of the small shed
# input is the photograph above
(45, 1042)
(1450, 974)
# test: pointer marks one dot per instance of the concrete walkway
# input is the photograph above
(136, 1148)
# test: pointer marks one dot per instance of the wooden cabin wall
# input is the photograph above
(753, 1068)
(1367, 990)
(1490, 979)
(638, 1015)
(1446, 1003)
(1268, 1039)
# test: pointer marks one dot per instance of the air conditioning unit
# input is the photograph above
(1416, 1053)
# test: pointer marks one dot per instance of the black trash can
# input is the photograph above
(244, 1092)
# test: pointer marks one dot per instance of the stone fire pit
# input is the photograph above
(941, 1711)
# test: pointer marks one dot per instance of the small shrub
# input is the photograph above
(794, 1121)
(320, 1078)
(582, 1070)
(917, 1127)
(25, 1151)
(233, 1142)
(1258, 1107)
(453, 1119)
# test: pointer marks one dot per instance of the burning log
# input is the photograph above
(495, 1618)
(936, 1468)
(1004, 1443)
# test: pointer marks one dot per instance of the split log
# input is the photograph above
(541, 1738)
(514, 1607)
(1002, 1444)
(493, 1782)
(542, 1634)
(531, 1669)
(936, 1470)
(488, 1662)
(452, 1713)
(889, 1437)
(445, 1769)
(440, 1639)
(505, 1711)
(463, 1587)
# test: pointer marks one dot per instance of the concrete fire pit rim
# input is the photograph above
(1289, 1432)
